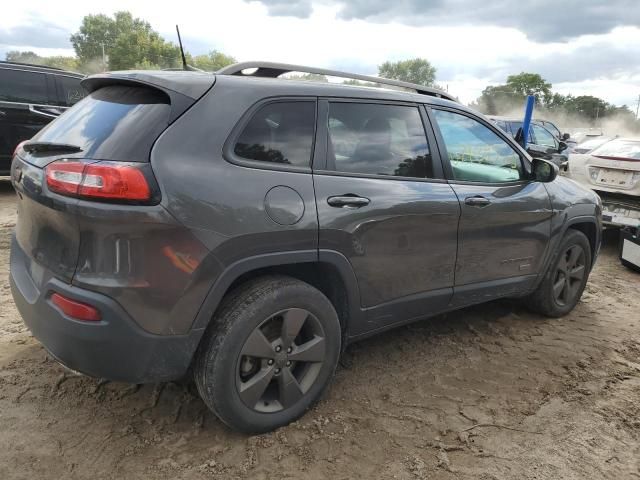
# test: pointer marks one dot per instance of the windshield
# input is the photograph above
(620, 148)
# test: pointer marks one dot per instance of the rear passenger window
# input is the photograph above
(280, 132)
(23, 87)
(378, 139)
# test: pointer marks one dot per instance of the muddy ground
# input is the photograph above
(492, 392)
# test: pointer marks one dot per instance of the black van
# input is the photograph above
(30, 97)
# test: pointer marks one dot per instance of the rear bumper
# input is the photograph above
(620, 211)
(115, 348)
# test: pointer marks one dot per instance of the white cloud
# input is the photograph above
(467, 58)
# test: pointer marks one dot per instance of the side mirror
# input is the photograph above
(565, 137)
(563, 146)
(544, 171)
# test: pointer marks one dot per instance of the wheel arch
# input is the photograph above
(589, 227)
(327, 270)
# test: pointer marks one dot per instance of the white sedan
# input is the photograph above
(613, 171)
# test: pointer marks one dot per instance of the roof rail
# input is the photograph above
(22, 64)
(274, 70)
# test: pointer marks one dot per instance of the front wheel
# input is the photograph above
(564, 282)
(269, 354)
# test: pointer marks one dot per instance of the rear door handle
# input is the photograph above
(477, 201)
(351, 201)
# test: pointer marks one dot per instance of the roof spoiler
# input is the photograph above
(274, 70)
(182, 88)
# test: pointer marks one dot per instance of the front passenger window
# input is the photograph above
(476, 153)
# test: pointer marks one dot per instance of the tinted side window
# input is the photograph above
(70, 90)
(476, 153)
(24, 87)
(378, 139)
(279, 132)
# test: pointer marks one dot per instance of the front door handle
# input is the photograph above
(477, 201)
(51, 112)
(351, 201)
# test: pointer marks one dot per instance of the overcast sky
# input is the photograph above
(584, 47)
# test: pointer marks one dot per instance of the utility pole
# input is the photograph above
(638, 107)
(104, 59)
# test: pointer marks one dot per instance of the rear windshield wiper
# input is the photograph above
(41, 147)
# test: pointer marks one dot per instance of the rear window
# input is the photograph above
(113, 123)
(23, 87)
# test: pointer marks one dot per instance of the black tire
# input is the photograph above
(234, 362)
(545, 299)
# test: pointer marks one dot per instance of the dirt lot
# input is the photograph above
(492, 392)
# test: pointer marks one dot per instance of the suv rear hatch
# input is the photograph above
(118, 121)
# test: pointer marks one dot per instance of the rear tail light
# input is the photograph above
(107, 181)
(75, 309)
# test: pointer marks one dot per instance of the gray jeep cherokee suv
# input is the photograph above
(246, 228)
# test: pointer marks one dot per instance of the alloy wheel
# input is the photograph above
(570, 274)
(280, 360)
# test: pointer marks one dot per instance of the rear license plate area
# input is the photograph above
(614, 178)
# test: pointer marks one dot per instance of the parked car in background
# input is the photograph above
(613, 171)
(579, 135)
(246, 228)
(553, 129)
(540, 138)
(588, 145)
(31, 96)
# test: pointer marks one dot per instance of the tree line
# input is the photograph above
(500, 99)
(122, 42)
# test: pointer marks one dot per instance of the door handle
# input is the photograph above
(477, 201)
(48, 114)
(350, 201)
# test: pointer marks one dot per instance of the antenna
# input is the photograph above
(184, 60)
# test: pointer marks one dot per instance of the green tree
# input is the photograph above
(127, 42)
(417, 70)
(557, 101)
(525, 84)
(587, 106)
(211, 62)
(500, 98)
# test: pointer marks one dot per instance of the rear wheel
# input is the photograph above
(564, 282)
(269, 354)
